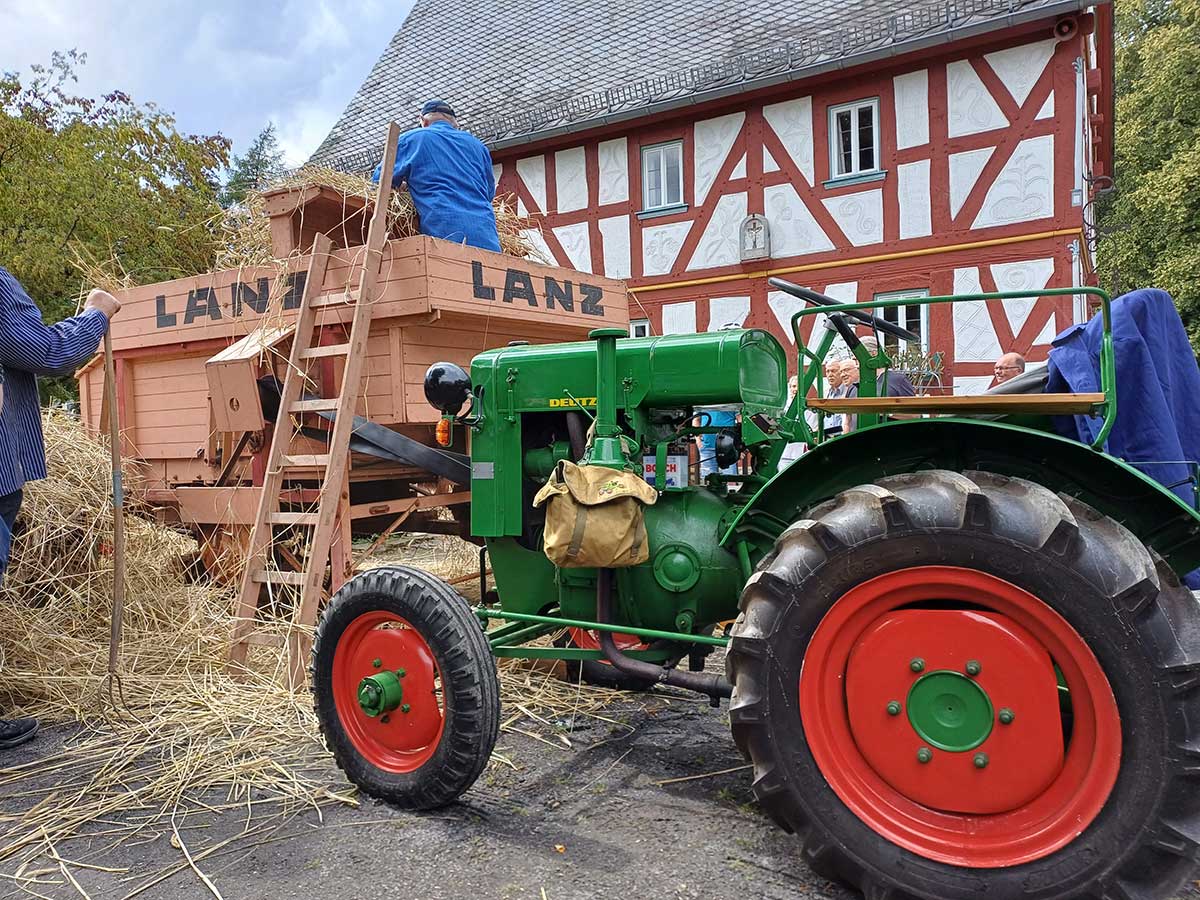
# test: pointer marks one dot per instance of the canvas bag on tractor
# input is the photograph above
(594, 516)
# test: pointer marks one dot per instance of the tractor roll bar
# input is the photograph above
(1108, 365)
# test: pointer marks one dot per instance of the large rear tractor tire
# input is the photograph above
(405, 687)
(965, 685)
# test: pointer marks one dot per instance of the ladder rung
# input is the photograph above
(317, 405)
(326, 350)
(263, 639)
(293, 518)
(274, 576)
(339, 298)
(306, 461)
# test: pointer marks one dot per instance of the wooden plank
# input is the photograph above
(320, 404)
(1045, 404)
(325, 350)
(273, 576)
(306, 460)
(292, 518)
(395, 507)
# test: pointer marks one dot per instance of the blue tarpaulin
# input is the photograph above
(1158, 389)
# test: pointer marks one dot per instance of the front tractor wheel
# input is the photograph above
(405, 687)
(966, 685)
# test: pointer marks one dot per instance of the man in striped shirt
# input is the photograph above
(28, 348)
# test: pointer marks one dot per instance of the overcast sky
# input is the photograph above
(227, 66)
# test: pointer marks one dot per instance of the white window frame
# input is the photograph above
(924, 309)
(661, 148)
(835, 156)
(639, 328)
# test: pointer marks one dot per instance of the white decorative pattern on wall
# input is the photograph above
(769, 164)
(660, 247)
(1024, 189)
(576, 244)
(1047, 110)
(724, 311)
(784, 306)
(541, 250)
(614, 237)
(860, 216)
(972, 385)
(1027, 275)
(1020, 67)
(794, 231)
(719, 245)
(965, 169)
(913, 190)
(714, 140)
(613, 157)
(972, 108)
(792, 121)
(739, 170)
(912, 109)
(974, 335)
(570, 178)
(532, 171)
(679, 318)
(843, 292)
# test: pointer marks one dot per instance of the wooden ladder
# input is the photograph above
(333, 466)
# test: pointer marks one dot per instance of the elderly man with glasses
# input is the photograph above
(1009, 366)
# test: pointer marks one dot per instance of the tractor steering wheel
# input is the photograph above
(817, 299)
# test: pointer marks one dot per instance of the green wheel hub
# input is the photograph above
(379, 693)
(950, 711)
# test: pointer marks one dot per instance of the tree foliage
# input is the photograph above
(109, 176)
(261, 164)
(1151, 220)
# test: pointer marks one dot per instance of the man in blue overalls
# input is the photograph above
(449, 175)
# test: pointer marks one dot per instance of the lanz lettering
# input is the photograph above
(544, 292)
(210, 304)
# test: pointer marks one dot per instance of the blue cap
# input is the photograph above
(436, 106)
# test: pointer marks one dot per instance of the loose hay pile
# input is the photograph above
(193, 742)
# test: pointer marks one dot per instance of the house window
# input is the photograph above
(662, 176)
(639, 328)
(915, 318)
(854, 138)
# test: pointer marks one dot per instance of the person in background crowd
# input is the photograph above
(1009, 366)
(794, 449)
(28, 348)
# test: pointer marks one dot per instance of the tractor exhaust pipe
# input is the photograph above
(713, 685)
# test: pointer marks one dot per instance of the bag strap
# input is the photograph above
(577, 533)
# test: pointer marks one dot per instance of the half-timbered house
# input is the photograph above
(863, 148)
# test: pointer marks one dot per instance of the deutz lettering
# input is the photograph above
(206, 302)
(556, 402)
(539, 291)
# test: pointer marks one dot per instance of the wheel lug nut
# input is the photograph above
(1006, 716)
(893, 708)
(377, 663)
(980, 760)
(917, 664)
(400, 673)
(924, 755)
(404, 708)
(973, 667)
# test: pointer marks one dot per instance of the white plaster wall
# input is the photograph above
(965, 169)
(913, 191)
(660, 247)
(720, 243)
(769, 164)
(972, 109)
(497, 171)
(1019, 68)
(541, 250)
(971, 385)
(739, 170)
(614, 235)
(576, 244)
(783, 306)
(724, 311)
(679, 318)
(912, 108)
(792, 121)
(794, 231)
(714, 139)
(613, 158)
(859, 215)
(532, 171)
(974, 337)
(570, 179)
(1047, 110)
(1026, 275)
(1024, 189)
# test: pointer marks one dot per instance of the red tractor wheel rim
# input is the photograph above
(404, 738)
(1039, 827)
(588, 640)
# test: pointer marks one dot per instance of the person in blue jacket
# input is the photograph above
(449, 175)
(29, 348)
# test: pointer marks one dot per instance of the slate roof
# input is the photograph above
(520, 70)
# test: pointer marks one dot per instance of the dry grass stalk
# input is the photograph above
(194, 742)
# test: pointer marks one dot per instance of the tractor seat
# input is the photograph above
(1023, 394)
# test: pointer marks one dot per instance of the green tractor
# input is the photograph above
(963, 662)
